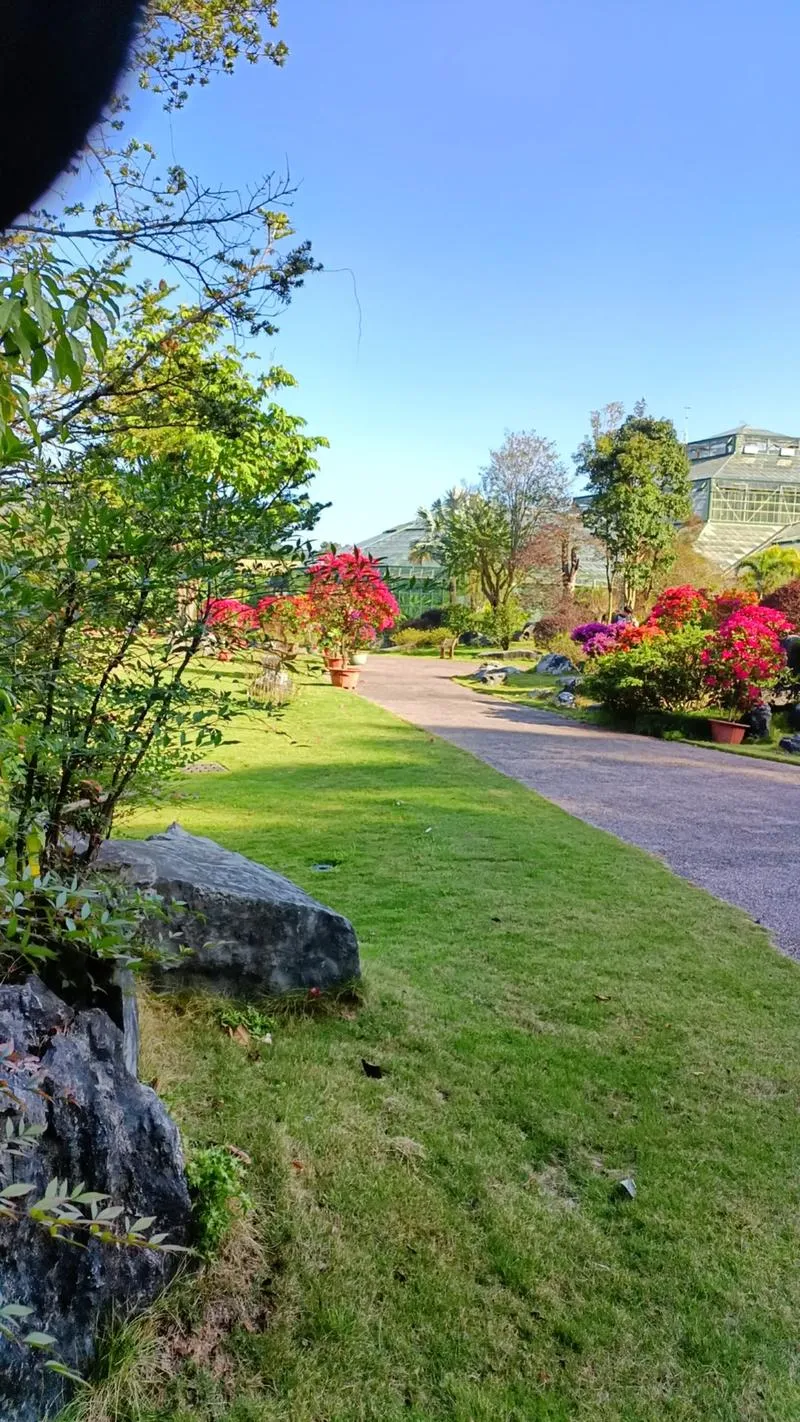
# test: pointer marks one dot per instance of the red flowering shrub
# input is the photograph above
(787, 601)
(628, 634)
(679, 607)
(349, 601)
(231, 621)
(744, 656)
(285, 620)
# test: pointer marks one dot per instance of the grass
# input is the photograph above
(552, 1011)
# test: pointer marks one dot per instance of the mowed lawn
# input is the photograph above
(552, 1012)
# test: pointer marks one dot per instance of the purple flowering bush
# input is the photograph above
(596, 638)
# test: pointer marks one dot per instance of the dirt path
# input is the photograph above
(728, 823)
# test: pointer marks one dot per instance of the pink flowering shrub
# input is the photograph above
(349, 602)
(231, 622)
(744, 657)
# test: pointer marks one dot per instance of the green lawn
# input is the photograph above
(552, 1011)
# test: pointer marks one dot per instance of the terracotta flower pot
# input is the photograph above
(727, 733)
(345, 677)
(332, 663)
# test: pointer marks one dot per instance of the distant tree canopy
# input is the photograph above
(637, 476)
(490, 535)
(769, 569)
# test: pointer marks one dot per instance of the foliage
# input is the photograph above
(251, 1018)
(222, 244)
(501, 622)
(492, 536)
(181, 43)
(53, 321)
(664, 672)
(459, 619)
(769, 569)
(638, 481)
(349, 602)
(216, 1184)
(743, 657)
(786, 600)
(562, 617)
(546, 629)
(428, 618)
(677, 606)
(286, 621)
(112, 560)
(412, 637)
(45, 918)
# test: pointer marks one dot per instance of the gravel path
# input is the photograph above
(729, 823)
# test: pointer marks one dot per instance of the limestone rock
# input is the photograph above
(249, 931)
(759, 719)
(102, 1127)
(554, 664)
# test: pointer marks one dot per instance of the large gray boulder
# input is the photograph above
(100, 1127)
(554, 664)
(232, 926)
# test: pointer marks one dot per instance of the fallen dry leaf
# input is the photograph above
(240, 1154)
(408, 1149)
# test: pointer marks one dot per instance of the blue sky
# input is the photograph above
(545, 206)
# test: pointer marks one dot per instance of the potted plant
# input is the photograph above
(349, 604)
(743, 658)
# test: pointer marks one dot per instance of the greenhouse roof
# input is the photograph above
(394, 546)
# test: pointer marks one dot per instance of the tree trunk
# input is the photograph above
(570, 563)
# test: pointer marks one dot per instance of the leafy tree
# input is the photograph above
(500, 623)
(638, 481)
(111, 558)
(490, 537)
(769, 569)
(62, 271)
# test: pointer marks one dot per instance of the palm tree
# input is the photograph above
(769, 568)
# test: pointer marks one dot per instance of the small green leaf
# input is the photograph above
(38, 364)
(39, 1340)
(16, 1190)
(99, 340)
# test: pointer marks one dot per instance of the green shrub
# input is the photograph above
(661, 674)
(413, 637)
(500, 623)
(459, 618)
(216, 1184)
(565, 647)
